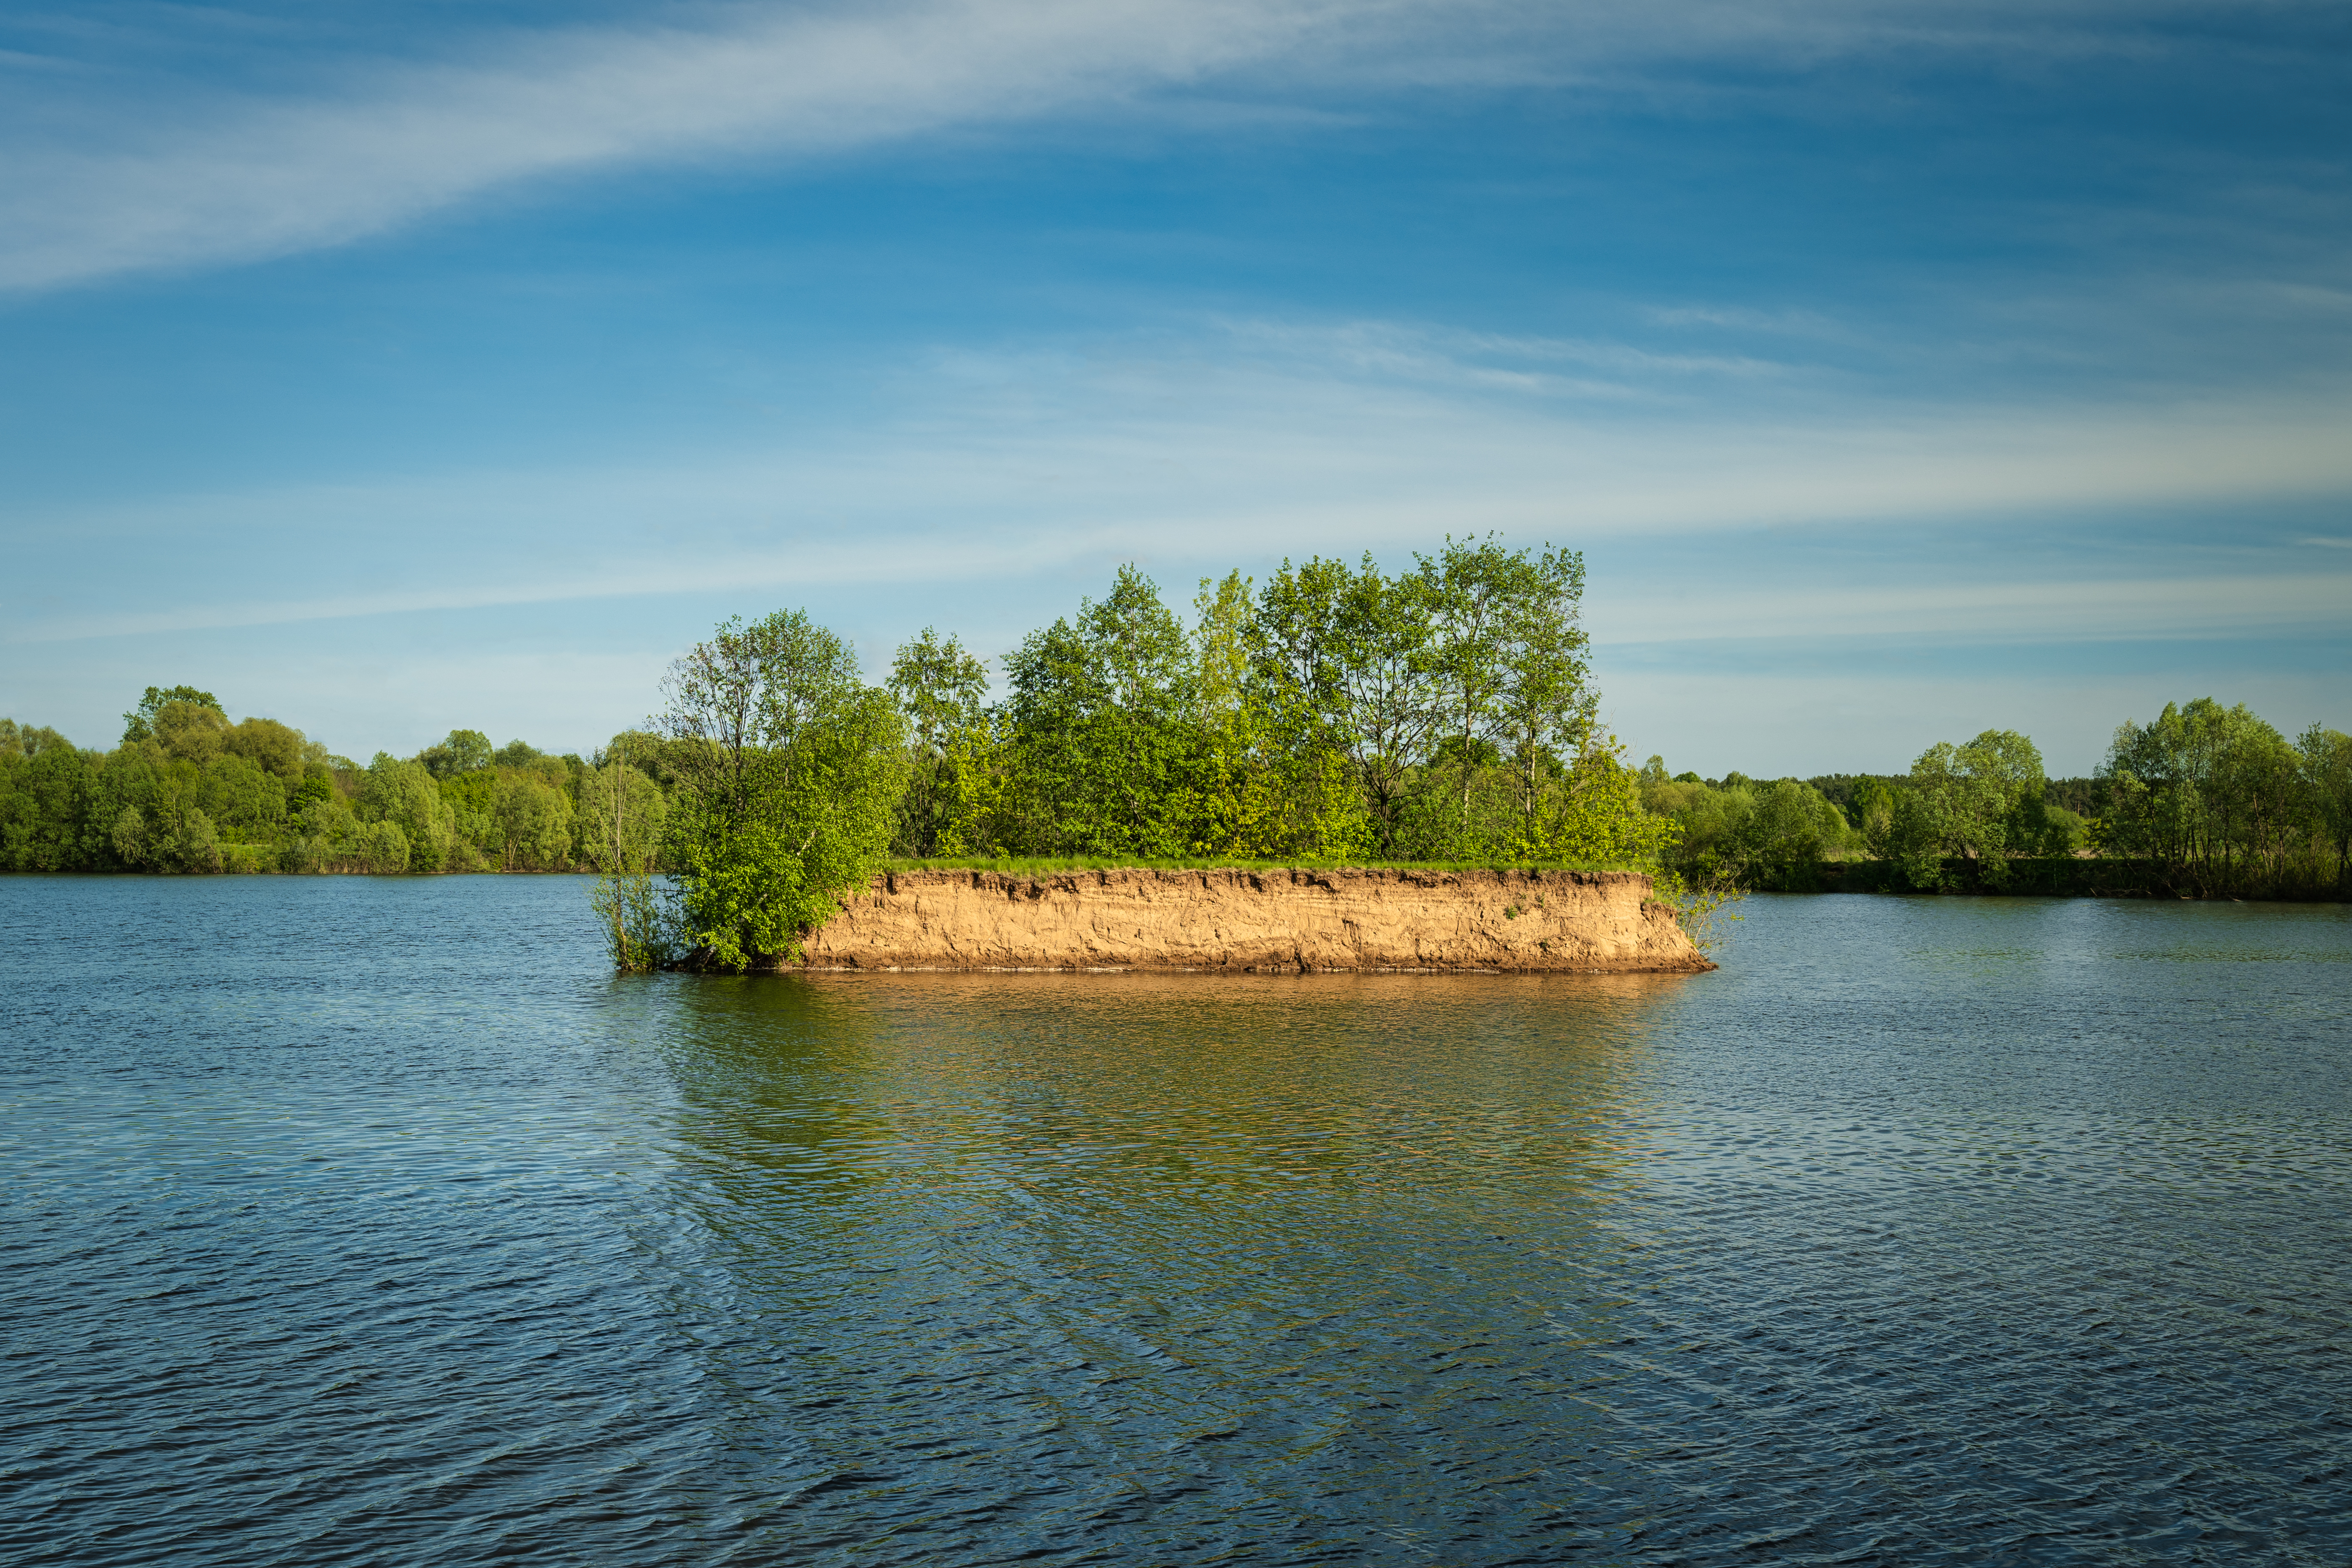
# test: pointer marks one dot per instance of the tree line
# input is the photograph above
(187, 791)
(2214, 801)
(1335, 713)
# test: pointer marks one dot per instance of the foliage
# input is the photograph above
(405, 795)
(1775, 835)
(1703, 905)
(940, 688)
(274, 749)
(2325, 757)
(1335, 713)
(1332, 715)
(620, 820)
(1965, 801)
(28, 740)
(461, 751)
(531, 821)
(2225, 802)
(139, 723)
(1101, 749)
(790, 773)
(637, 922)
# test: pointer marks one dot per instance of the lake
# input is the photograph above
(356, 1220)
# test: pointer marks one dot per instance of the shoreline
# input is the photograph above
(1227, 920)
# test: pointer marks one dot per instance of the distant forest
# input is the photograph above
(187, 791)
(1333, 714)
(2210, 800)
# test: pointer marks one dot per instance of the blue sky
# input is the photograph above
(1902, 370)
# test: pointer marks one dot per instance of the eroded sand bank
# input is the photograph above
(1258, 922)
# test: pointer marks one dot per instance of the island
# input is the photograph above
(1399, 920)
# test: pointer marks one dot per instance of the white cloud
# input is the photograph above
(247, 179)
(195, 176)
(1003, 469)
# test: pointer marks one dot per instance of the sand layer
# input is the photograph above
(1258, 922)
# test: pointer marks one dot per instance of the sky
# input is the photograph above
(1901, 370)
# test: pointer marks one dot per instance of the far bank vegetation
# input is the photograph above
(1335, 714)
(2204, 801)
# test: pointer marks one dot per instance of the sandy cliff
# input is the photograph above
(1512, 921)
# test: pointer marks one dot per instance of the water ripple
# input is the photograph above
(357, 1221)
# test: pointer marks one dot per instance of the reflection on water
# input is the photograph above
(1177, 1265)
(1927, 1229)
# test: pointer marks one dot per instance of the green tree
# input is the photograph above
(2325, 759)
(531, 820)
(2215, 794)
(1961, 805)
(940, 689)
(790, 771)
(460, 752)
(1102, 749)
(1298, 638)
(1871, 812)
(620, 820)
(1240, 796)
(28, 740)
(139, 723)
(619, 827)
(241, 798)
(272, 747)
(1791, 831)
(192, 731)
(1369, 662)
(44, 790)
(1508, 658)
(404, 794)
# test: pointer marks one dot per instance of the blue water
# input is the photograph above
(369, 1221)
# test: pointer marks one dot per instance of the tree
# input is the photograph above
(1101, 746)
(1297, 638)
(270, 746)
(2215, 794)
(28, 740)
(1509, 657)
(460, 752)
(2325, 758)
(194, 732)
(940, 689)
(619, 824)
(403, 795)
(1871, 811)
(239, 796)
(531, 820)
(139, 723)
(618, 821)
(790, 771)
(1387, 710)
(1961, 805)
(1791, 831)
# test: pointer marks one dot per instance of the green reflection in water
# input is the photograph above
(1135, 1215)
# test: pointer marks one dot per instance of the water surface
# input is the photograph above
(368, 1221)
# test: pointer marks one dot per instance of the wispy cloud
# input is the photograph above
(1016, 469)
(245, 179)
(191, 175)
